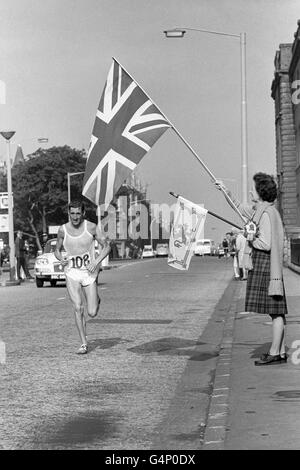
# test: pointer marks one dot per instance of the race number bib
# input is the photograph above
(79, 261)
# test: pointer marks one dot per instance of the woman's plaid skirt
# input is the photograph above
(257, 298)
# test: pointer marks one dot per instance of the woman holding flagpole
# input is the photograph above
(265, 288)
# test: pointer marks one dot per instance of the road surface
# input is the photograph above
(146, 381)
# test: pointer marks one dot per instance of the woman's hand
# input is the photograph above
(221, 186)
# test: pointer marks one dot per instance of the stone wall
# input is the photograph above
(286, 154)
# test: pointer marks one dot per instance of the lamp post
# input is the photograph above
(69, 182)
(7, 136)
(12, 271)
(179, 33)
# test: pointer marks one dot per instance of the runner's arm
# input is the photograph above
(59, 245)
(104, 244)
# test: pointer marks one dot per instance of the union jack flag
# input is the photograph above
(127, 125)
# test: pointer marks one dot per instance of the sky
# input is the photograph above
(55, 56)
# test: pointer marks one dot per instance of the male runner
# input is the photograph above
(81, 265)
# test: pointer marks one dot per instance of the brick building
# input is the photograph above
(287, 129)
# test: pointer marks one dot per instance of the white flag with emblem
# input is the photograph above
(189, 219)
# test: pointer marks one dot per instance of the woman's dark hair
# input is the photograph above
(265, 186)
(77, 204)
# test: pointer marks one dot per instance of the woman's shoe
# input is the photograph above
(268, 360)
(283, 357)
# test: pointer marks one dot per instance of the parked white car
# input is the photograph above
(47, 267)
(162, 249)
(148, 252)
(203, 247)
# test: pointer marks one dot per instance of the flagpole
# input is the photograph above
(105, 261)
(186, 143)
(212, 213)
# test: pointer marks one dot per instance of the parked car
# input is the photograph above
(203, 247)
(162, 249)
(47, 267)
(148, 252)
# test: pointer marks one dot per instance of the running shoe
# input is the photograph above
(82, 349)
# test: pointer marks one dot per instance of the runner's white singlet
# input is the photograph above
(80, 251)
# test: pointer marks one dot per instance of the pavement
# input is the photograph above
(256, 408)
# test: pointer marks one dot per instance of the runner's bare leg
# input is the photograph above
(92, 299)
(75, 294)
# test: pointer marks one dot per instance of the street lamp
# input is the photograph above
(69, 182)
(179, 33)
(7, 136)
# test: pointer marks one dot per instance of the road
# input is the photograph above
(145, 382)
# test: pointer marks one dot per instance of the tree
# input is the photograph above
(40, 187)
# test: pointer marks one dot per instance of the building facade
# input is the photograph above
(287, 131)
(129, 201)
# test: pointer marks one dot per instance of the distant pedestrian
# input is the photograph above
(44, 240)
(225, 245)
(26, 256)
(1, 260)
(240, 244)
(233, 251)
(265, 288)
(20, 253)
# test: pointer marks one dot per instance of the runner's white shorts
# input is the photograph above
(82, 276)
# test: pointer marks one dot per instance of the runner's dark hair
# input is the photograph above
(77, 203)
